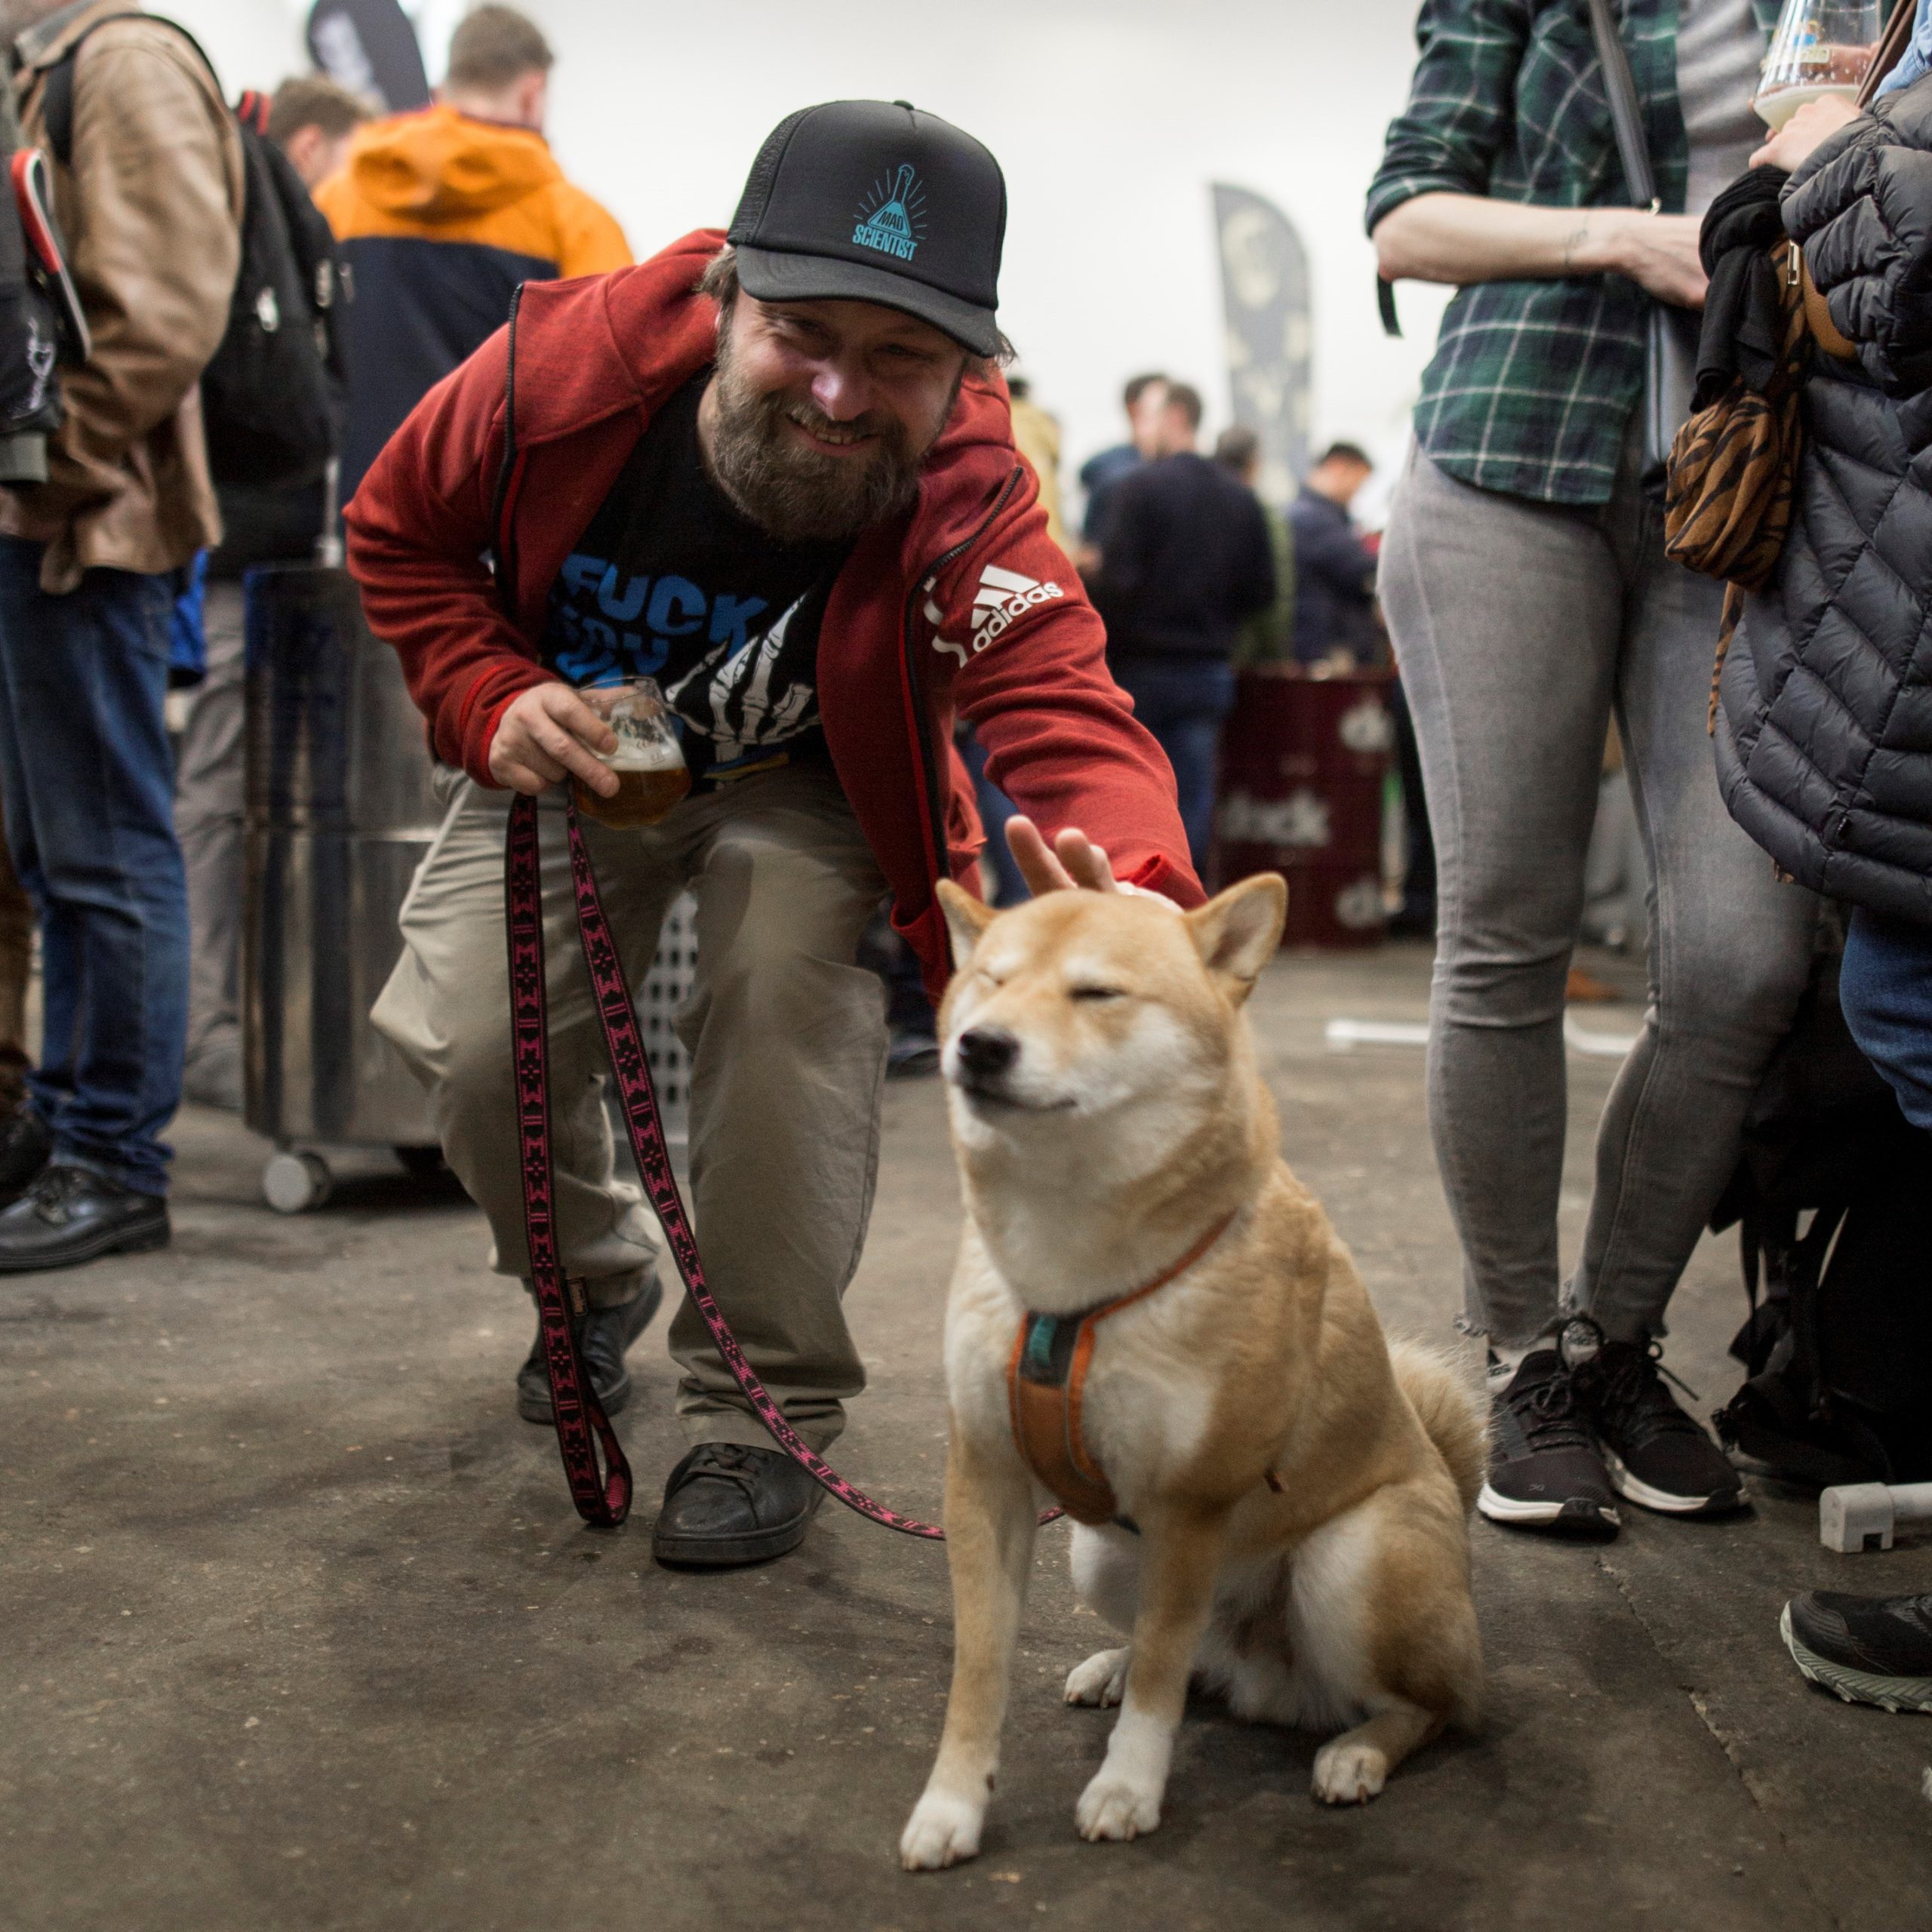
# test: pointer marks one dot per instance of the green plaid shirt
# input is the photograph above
(1533, 382)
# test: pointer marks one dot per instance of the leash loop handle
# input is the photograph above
(602, 1495)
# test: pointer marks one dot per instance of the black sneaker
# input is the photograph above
(1869, 1650)
(1544, 1471)
(73, 1214)
(603, 1334)
(726, 1506)
(1656, 1454)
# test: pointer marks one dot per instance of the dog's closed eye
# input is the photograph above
(1095, 992)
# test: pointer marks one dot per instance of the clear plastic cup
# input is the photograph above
(652, 775)
(1819, 47)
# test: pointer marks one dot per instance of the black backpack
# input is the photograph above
(42, 323)
(271, 395)
(1838, 1350)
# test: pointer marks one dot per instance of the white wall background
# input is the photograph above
(1110, 117)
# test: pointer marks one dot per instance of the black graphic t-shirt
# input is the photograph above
(671, 582)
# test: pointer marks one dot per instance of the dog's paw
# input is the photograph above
(1100, 1681)
(1347, 1772)
(942, 1830)
(1112, 1807)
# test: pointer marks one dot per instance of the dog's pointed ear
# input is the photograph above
(1236, 931)
(966, 919)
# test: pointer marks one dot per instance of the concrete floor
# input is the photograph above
(297, 1629)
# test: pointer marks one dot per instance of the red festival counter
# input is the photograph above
(1304, 761)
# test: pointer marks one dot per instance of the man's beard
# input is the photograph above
(794, 492)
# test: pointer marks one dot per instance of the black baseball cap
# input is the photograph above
(873, 200)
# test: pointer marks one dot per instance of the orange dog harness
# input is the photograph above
(1046, 1377)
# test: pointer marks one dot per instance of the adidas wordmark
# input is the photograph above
(1003, 598)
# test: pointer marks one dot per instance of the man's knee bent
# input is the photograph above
(459, 1048)
(790, 996)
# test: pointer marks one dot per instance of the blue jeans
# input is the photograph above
(1185, 702)
(87, 781)
(1885, 987)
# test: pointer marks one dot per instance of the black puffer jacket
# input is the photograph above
(1824, 729)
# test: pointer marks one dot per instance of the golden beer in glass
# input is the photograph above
(648, 762)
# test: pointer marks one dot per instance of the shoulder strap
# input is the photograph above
(1625, 116)
(1890, 50)
(56, 100)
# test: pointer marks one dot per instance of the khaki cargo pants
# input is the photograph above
(787, 1038)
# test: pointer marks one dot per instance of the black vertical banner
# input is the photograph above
(1265, 297)
(369, 47)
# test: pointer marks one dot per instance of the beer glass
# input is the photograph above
(652, 775)
(1820, 47)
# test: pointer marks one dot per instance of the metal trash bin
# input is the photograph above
(339, 814)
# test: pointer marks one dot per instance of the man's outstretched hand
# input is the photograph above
(1073, 860)
(1072, 863)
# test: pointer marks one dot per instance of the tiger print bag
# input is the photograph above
(1734, 463)
(1733, 466)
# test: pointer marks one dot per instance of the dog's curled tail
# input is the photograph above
(1450, 1413)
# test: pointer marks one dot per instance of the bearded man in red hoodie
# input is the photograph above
(775, 471)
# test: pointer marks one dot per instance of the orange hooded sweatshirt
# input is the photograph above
(440, 216)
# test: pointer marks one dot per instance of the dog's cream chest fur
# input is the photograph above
(1147, 1407)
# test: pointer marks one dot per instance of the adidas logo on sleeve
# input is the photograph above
(1004, 597)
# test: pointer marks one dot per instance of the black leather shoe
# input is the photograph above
(726, 1506)
(72, 1214)
(603, 1334)
(25, 1144)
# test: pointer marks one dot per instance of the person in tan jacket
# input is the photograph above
(90, 567)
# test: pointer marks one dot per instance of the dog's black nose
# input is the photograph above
(986, 1051)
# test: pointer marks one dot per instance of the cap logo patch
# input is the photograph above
(893, 218)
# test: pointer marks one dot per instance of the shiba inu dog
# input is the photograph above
(1152, 1319)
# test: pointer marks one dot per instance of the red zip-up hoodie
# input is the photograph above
(963, 605)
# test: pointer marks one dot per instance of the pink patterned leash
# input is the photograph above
(602, 1497)
(632, 1066)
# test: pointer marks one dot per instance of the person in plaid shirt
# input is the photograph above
(1527, 594)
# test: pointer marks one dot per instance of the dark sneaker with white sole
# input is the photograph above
(603, 1334)
(1657, 1455)
(1544, 1471)
(1868, 1650)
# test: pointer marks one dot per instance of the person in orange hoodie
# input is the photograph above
(442, 213)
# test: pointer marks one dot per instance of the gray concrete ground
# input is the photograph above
(297, 1629)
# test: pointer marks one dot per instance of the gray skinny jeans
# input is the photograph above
(1518, 626)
